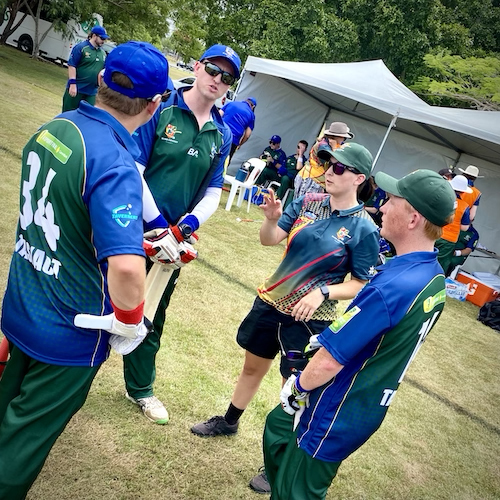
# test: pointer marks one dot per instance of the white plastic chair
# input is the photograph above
(258, 165)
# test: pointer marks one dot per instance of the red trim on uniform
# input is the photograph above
(130, 317)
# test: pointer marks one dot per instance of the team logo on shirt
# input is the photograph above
(213, 151)
(343, 233)
(122, 215)
(171, 130)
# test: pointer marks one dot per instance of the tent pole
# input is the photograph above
(239, 83)
(391, 125)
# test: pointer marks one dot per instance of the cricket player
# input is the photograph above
(183, 150)
(85, 63)
(78, 249)
(363, 356)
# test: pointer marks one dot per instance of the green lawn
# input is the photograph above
(440, 440)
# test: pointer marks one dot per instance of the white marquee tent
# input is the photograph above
(296, 100)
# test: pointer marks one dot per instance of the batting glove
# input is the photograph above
(124, 345)
(292, 399)
(161, 246)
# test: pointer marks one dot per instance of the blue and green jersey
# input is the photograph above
(80, 203)
(376, 340)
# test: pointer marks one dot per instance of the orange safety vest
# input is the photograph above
(471, 198)
(451, 232)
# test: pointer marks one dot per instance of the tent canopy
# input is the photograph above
(296, 100)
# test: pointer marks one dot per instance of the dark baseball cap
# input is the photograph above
(253, 101)
(426, 191)
(276, 139)
(100, 31)
(350, 154)
(143, 63)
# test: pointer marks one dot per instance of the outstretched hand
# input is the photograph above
(271, 206)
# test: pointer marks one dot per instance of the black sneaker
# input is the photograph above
(259, 483)
(215, 426)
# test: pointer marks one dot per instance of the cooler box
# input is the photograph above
(479, 292)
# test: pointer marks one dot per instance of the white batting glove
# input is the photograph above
(292, 400)
(161, 246)
(124, 337)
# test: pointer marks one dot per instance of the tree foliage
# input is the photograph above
(461, 82)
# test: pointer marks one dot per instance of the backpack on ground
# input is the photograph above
(489, 314)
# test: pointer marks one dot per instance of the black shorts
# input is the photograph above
(266, 331)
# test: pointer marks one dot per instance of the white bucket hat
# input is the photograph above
(459, 183)
(472, 171)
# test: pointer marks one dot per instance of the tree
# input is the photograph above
(472, 82)
(8, 12)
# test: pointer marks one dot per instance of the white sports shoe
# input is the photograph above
(152, 408)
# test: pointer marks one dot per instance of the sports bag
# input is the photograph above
(489, 314)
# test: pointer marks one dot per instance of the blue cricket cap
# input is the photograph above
(226, 53)
(276, 139)
(100, 31)
(252, 100)
(143, 63)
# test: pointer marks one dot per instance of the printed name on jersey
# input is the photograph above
(59, 150)
(123, 216)
(431, 302)
(339, 323)
(37, 258)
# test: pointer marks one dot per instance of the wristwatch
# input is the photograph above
(325, 292)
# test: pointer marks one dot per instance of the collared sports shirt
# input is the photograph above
(278, 156)
(88, 61)
(291, 165)
(238, 115)
(80, 203)
(178, 155)
(322, 248)
(376, 340)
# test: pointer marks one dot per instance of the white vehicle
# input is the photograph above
(188, 81)
(56, 46)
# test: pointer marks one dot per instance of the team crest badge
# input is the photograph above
(343, 233)
(171, 130)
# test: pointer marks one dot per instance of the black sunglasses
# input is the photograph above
(214, 70)
(340, 168)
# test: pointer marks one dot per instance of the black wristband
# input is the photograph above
(72, 81)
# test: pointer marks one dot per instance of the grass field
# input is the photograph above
(440, 440)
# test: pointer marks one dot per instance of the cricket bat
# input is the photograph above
(156, 281)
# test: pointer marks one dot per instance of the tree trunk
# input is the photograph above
(13, 8)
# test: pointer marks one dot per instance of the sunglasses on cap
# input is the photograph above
(340, 168)
(163, 97)
(214, 70)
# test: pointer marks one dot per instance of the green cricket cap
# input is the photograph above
(426, 191)
(351, 154)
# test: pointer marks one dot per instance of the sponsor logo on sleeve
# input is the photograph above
(431, 302)
(123, 216)
(339, 323)
(52, 144)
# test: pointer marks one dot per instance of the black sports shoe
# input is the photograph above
(215, 426)
(259, 483)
